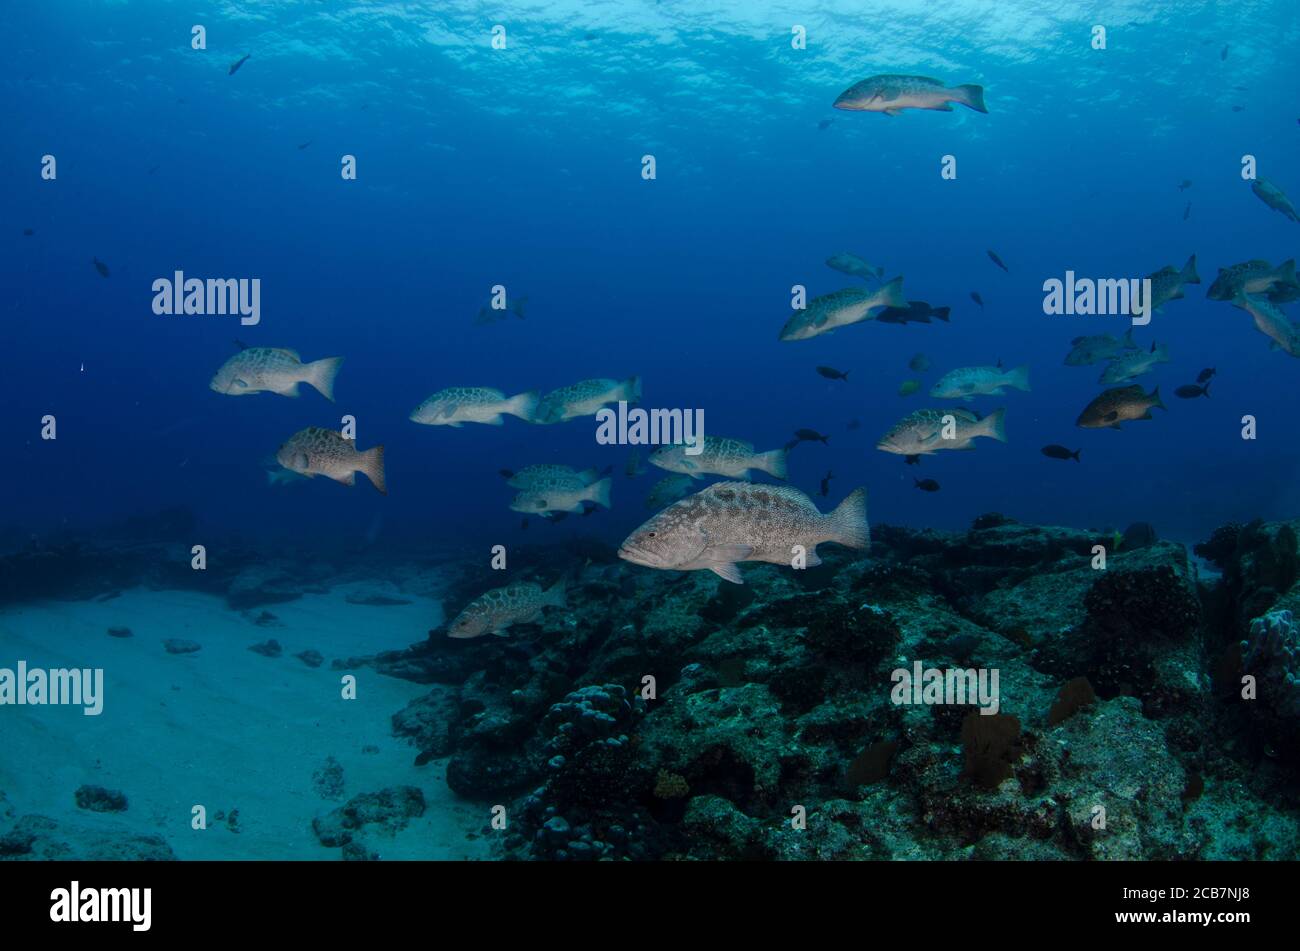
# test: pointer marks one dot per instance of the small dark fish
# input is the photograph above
(927, 485)
(1204, 375)
(28, 232)
(240, 345)
(826, 482)
(1187, 211)
(790, 445)
(506, 473)
(524, 524)
(1060, 452)
(974, 295)
(305, 144)
(1186, 184)
(101, 267)
(998, 261)
(825, 124)
(238, 63)
(1191, 391)
(833, 374)
(1223, 54)
(916, 312)
(1238, 108)
(854, 424)
(811, 435)
(912, 460)
(152, 170)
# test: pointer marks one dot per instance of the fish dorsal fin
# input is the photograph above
(289, 353)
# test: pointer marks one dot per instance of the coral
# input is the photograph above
(991, 747)
(1221, 546)
(1073, 696)
(1148, 602)
(389, 809)
(1271, 653)
(99, 799)
(671, 785)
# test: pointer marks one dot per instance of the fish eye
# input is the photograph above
(650, 535)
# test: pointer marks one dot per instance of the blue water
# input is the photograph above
(522, 167)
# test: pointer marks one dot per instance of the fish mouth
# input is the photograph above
(637, 556)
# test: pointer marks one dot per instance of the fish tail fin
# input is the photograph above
(891, 294)
(845, 375)
(1019, 378)
(773, 463)
(598, 492)
(632, 389)
(1286, 271)
(1189, 274)
(321, 374)
(848, 521)
(372, 464)
(971, 96)
(557, 594)
(1155, 395)
(1205, 391)
(995, 425)
(1075, 455)
(941, 313)
(524, 405)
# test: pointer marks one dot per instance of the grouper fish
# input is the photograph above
(495, 611)
(274, 370)
(315, 451)
(891, 94)
(922, 433)
(473, 404)
(733, 458)
(1274, 197)
(1119, 405)
(1167, 284)
(1270, 321)
(731, 522)
(851, 305)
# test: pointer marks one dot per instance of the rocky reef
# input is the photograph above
(669, 715)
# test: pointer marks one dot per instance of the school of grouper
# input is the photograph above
(737, 521)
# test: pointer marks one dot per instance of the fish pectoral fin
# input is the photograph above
(291, 390)
(894, 112)
(942, 108)
(500, 632)
(728, 572)
(349, 479)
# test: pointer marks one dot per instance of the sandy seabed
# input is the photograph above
(225, 728)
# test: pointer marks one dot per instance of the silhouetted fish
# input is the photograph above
(101, 267)
(1187, 211)
(998, 261)
(974, 295)
(1191, 391)
(1060, 452)
(833, 374)
(1204, 375)
(28, 232)
(927, 485)
(826, 483)
(238, 63)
